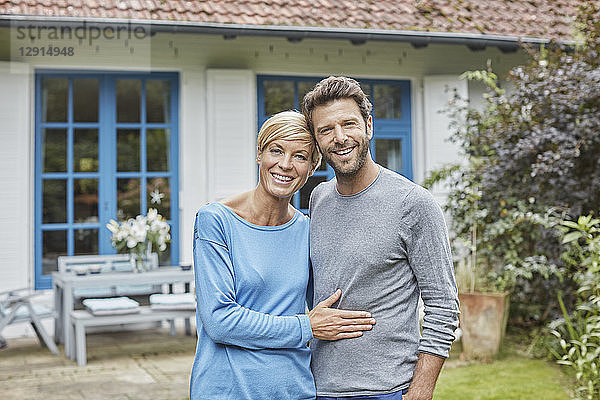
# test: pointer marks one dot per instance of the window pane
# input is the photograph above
(86, 241)
(157, 146)
(388, 153)
(128, 150)
(387, 101)
(54, 150)
(85, 100)
(303, 88)
(307, 189)
(128, 198)
(55, 99)
(85, 199)
(129, 93)
(159, 196)
(54, 244)
(85, 150)
(158, 101)
(279, 96)
(54, 201)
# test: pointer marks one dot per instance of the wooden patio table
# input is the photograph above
(64, 284)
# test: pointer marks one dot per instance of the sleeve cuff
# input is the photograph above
(305, 327)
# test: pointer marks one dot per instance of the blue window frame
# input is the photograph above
(106, 147)
(391, 145)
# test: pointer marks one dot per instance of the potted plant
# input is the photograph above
(481, 279)
(483, 295)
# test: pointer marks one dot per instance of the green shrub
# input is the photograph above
(531, 160)
(577, 343)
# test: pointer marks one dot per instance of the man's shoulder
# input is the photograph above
(407, 194)
(399, 185)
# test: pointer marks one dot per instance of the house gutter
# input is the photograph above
(293, 33)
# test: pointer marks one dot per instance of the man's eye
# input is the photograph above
(325, 131)
(350, 124)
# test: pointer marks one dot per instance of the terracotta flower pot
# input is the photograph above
(483, 320)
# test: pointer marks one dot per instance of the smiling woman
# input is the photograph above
(251, 261)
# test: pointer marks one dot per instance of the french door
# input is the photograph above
(106, 148)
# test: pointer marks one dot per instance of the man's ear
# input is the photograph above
(369, 127)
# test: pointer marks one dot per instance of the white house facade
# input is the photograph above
(106, 128)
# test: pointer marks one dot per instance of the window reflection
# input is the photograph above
(85, 150)
(129, 93)
(128, 150)
(54, 99)
(128, 198)
(159, 196)
(158, 100)
(54, 150)
(388, 153)
(387, 101)
(279, 96)
(54, 245)
(157, 148)
(85, 92)
(54, 198)
(86, 241)
(85, 200)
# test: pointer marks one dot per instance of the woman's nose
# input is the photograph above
(285, 162)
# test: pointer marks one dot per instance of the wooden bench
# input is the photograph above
(82, 319)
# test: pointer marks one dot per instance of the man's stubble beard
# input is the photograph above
(358, 162)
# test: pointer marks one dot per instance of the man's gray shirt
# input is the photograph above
(382, 247)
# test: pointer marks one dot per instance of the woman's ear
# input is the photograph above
(258, 155)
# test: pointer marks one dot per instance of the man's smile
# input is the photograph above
(343, 152)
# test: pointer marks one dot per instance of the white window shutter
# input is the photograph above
(438, 151)
(231, 114)
(16, 176)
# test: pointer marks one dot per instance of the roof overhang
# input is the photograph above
(293, 33)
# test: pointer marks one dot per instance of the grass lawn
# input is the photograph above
(511, 376)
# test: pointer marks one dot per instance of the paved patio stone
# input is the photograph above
(129, 365)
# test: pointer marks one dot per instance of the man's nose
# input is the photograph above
(339, 135)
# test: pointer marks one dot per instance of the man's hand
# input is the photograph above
(426, 374)
(333, 324)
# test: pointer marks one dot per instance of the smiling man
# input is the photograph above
(383, 241)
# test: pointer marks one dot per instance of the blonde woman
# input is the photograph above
(252, 270)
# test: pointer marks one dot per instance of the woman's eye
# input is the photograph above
(275, 151)
(301, 157)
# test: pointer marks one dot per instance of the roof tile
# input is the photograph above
(541, 18)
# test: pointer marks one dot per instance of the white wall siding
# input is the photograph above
(438, 151)
(231, 128)
(16, 176)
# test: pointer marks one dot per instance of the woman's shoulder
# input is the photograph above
(212, 218)
(211, 211)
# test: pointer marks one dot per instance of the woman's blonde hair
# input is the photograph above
(288, 125)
